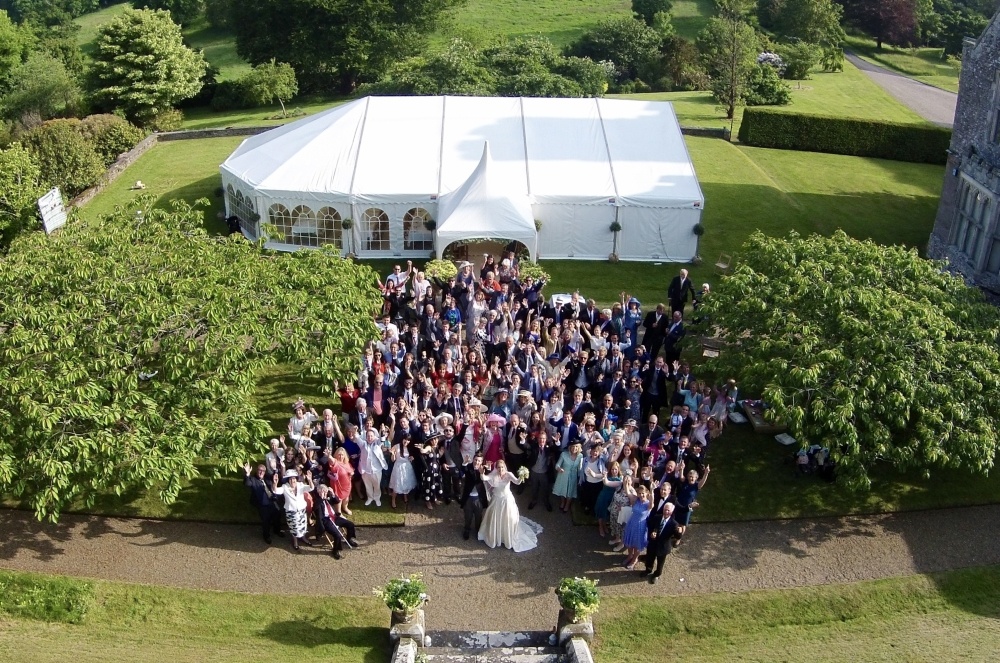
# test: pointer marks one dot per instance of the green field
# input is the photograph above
(923, 64)
(117, 622)
(917, 618)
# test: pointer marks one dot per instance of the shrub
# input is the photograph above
(765, 87)
(67, 158)
(579, 595)
(111, 135)
(440, 269)
(864, 138)
(526, 268)
(168, 120)
(799, 58)
(403, 594)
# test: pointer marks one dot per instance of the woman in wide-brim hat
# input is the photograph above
(296, 505)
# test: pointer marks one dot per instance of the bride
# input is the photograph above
(502, 524)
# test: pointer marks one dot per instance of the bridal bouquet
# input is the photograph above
(523, 473)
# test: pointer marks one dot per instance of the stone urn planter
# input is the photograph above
(578, 601)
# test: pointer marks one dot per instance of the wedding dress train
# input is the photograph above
(502, 522)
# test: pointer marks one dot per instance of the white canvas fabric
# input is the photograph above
(577, 165)
(484, 208)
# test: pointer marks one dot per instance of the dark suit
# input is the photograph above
(654, 380)
(261, 499)
(331, 522)
(540, 483)
(656, 330)
(678, 291)
(560, 426)
(659, 546)
(472, 507)
(675, 332)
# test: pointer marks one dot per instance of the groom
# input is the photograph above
(474, 496)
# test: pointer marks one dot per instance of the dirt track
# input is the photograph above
(473, 587)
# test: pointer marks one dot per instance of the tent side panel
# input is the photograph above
(658, 233)
(575, 231)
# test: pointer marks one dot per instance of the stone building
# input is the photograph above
(967, 227)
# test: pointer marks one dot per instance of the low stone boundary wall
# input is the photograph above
(128, 158)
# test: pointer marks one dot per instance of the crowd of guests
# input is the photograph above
(480, 368)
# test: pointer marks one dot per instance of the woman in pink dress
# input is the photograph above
(493, 442)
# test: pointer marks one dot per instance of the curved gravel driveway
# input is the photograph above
(931, 103)
(473, 587)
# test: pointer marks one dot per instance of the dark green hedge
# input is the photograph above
(863, 138)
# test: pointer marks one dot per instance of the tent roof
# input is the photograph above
(411, 149)
(483, 208)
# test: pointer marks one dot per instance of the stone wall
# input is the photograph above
(128, 158)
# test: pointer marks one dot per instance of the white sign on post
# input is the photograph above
(53, 212)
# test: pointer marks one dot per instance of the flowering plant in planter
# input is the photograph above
(578, 596)
(405, 594)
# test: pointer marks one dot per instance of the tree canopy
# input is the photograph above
(21, 185)
(890, 21)
(142, 67)
(131, 349)
(625, 41)
(870, 350)
(347, 41)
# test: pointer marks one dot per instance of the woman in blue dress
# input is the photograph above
(568, 475)
(635, 537)
(687, 500)
(612, 482)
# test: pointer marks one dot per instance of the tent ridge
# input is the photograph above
(607, 147)
(524, 138)
(361, 139)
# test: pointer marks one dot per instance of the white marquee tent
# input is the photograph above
(417, 173)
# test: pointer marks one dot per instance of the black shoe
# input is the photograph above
(267, 540)
(465, 535)
(548, 507)
(645, 572)
(652, 580)
(296, 548)
(280, 533)
(307, 542)
(353, 543)
(336, 554)
(531, 505)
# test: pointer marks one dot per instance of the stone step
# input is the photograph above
(499, 655)
(489, 639)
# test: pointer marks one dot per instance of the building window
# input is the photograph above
(993, 125)
(279, 217)
(375, 232)
(416, 237)
(330, 229)
(973, 216)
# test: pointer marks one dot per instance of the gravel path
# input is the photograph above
(473, 587)
(931, 103)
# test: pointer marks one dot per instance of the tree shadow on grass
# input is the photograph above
(307, 634)
(206, 187)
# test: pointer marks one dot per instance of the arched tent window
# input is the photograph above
(375, 232)
(242, 207)
(330, 229)
(305, 231)
(416, 236)
(279, 217)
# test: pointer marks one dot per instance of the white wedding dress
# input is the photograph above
(502, 523)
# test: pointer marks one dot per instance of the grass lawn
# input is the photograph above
(917, 618)
(90, 23)
(923, 64)
(845, 94)
(691, 16)
(120, 622)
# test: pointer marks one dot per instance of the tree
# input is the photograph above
(218, 13)
(627, 42)
(347, 41)
(646, 10)
(131, 349)
(181, 11)
(813, 21)
(142, 67)
(40, 87)
(729, 47)
(21, 185)
(68, 159)
(870, 350)
(889, 21)
(269, 81)
(15, 43)
(958, 24)
(110, 135)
